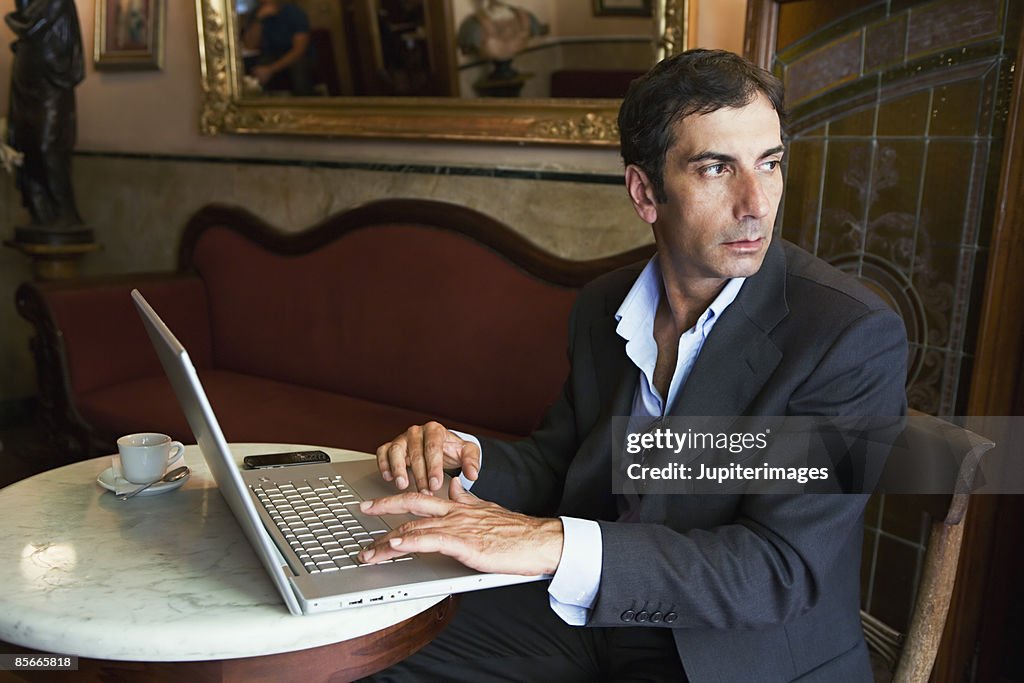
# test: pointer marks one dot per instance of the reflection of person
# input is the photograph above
(280, 31)
(724, 320)
(497, 31)
(47, 66)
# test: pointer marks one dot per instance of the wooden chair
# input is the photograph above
(909, 657)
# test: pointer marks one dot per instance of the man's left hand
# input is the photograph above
(262, 73)
(479, 534)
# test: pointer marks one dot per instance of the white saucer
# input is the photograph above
(110, 481)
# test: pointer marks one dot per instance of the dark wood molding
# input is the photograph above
(345, 661)
(480, 227)
(759, 34)
(995, 386)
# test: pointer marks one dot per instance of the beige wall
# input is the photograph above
(138, 206)
(720, 23)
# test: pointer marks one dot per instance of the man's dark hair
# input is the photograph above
(691, 82)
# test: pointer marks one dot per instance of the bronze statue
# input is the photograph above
(48, 64)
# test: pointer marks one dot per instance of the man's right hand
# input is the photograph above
(427, 450)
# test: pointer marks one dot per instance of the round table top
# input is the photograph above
(168, 577)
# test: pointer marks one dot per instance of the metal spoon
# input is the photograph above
(174, 475)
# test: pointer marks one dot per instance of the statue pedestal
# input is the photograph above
(501, 87)
(54, 261)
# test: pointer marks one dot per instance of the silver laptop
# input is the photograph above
(312, 562)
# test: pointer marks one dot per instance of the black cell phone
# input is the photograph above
(255, 462)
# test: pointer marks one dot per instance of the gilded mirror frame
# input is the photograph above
(581, 122)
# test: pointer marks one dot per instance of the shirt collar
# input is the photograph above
(636, 313)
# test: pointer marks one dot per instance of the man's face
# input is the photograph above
(723, 181)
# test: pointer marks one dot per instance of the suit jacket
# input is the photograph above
(760, 587)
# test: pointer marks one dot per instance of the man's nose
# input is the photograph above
(752, 199)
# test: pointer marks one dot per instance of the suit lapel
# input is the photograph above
(735, 362)
(616, 378)
(738, 356)
(612, 366)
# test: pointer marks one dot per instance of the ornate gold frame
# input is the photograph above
(152, 57)
(583, 122)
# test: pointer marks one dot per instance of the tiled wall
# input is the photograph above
(897, 110)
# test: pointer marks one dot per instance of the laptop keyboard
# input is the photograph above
(321, 521)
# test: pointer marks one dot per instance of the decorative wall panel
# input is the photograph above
(895, 128)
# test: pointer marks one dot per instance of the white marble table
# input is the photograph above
(160, 578)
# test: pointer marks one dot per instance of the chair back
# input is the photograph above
(909, 657)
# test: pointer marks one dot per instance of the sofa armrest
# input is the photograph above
(88, 336)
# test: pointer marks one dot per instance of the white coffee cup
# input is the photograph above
(146, 456)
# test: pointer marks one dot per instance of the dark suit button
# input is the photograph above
(642, 615)
(670, 617)
(628, 615)
(656, 617)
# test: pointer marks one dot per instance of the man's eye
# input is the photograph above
(771, 164)
(713, 171)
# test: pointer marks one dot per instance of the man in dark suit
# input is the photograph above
(724, 320)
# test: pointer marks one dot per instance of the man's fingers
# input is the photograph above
(470, 458)
(413, 457)
(397, 456)
(419, 474)
(383, 463)
(426, 451)
(420, 541)
(414, 503)
(458, 493)
(434, 437)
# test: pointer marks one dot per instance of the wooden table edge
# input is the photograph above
(347, 660)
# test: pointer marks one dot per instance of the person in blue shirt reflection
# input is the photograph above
(280, 32)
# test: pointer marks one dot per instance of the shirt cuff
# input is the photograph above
(573, 589)
(467, 483)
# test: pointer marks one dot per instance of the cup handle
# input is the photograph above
(179, 449)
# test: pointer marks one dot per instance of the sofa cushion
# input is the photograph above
(411, 316)
(255, 409)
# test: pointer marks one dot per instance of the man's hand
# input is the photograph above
(427, 450)
(479, 534)
(262, 73)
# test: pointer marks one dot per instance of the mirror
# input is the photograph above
(431, 109)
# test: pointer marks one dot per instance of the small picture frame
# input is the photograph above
(611, 8)
(129, 34)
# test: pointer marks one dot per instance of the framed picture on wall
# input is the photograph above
(637, 8)
(129, 34)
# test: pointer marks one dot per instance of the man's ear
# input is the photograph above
(641, 193)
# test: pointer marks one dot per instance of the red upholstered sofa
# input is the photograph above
(341, 335)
